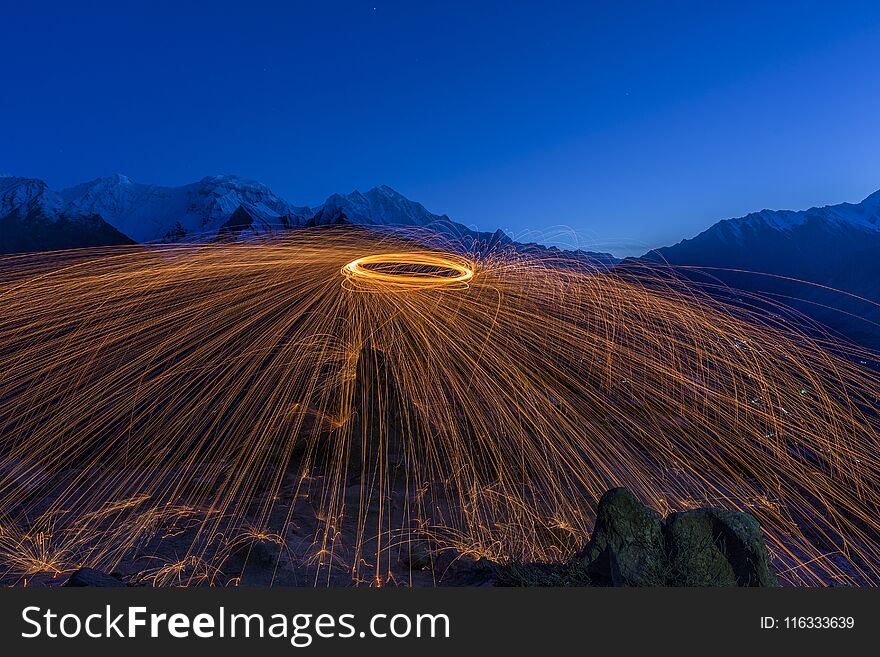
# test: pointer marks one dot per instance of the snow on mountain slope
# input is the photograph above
(836, 246)
(25, 194)
(33, 218)
(153, 213)
(385, 207)
(380, 206)
(228, 206)
(219, 205)
(845, 216)
(751, 236)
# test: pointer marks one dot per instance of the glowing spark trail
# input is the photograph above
(409, 270)
(347, 396)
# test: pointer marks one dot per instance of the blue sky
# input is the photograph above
(615, 125)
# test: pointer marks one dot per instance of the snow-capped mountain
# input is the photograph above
(152, 213)
(383, 206)
(380, 206)
(837, 246)
(844, 216)
(34, 218)
(218, 207)
(26, 194)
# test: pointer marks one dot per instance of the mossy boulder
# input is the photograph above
(717, 547)
(632, 546)
(627, 546)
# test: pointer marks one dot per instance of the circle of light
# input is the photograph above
(359, 269)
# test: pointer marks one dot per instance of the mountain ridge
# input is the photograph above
(779, 253)
(157, 213)
(836, 246)
(33, 218)
(864, 214)
(221, 206)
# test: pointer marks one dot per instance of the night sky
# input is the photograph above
(616, 125)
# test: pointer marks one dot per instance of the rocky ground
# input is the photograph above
(630, 546)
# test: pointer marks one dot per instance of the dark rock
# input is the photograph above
(717, 547)
(239, 221)
(604, 570)
(632, 546)
(627, 546)
(92, 577)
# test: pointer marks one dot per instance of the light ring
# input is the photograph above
(451, 270)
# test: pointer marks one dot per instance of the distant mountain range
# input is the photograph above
(772, 251)
(212, 207)
(836, 246)
(116, 210)
(34, 218)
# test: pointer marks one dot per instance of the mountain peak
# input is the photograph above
(872, 200)
(22, 194)
(228, 179)
(386, 190)
(380, 205)
(223, 205)
(105, 181)
(11, 182)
